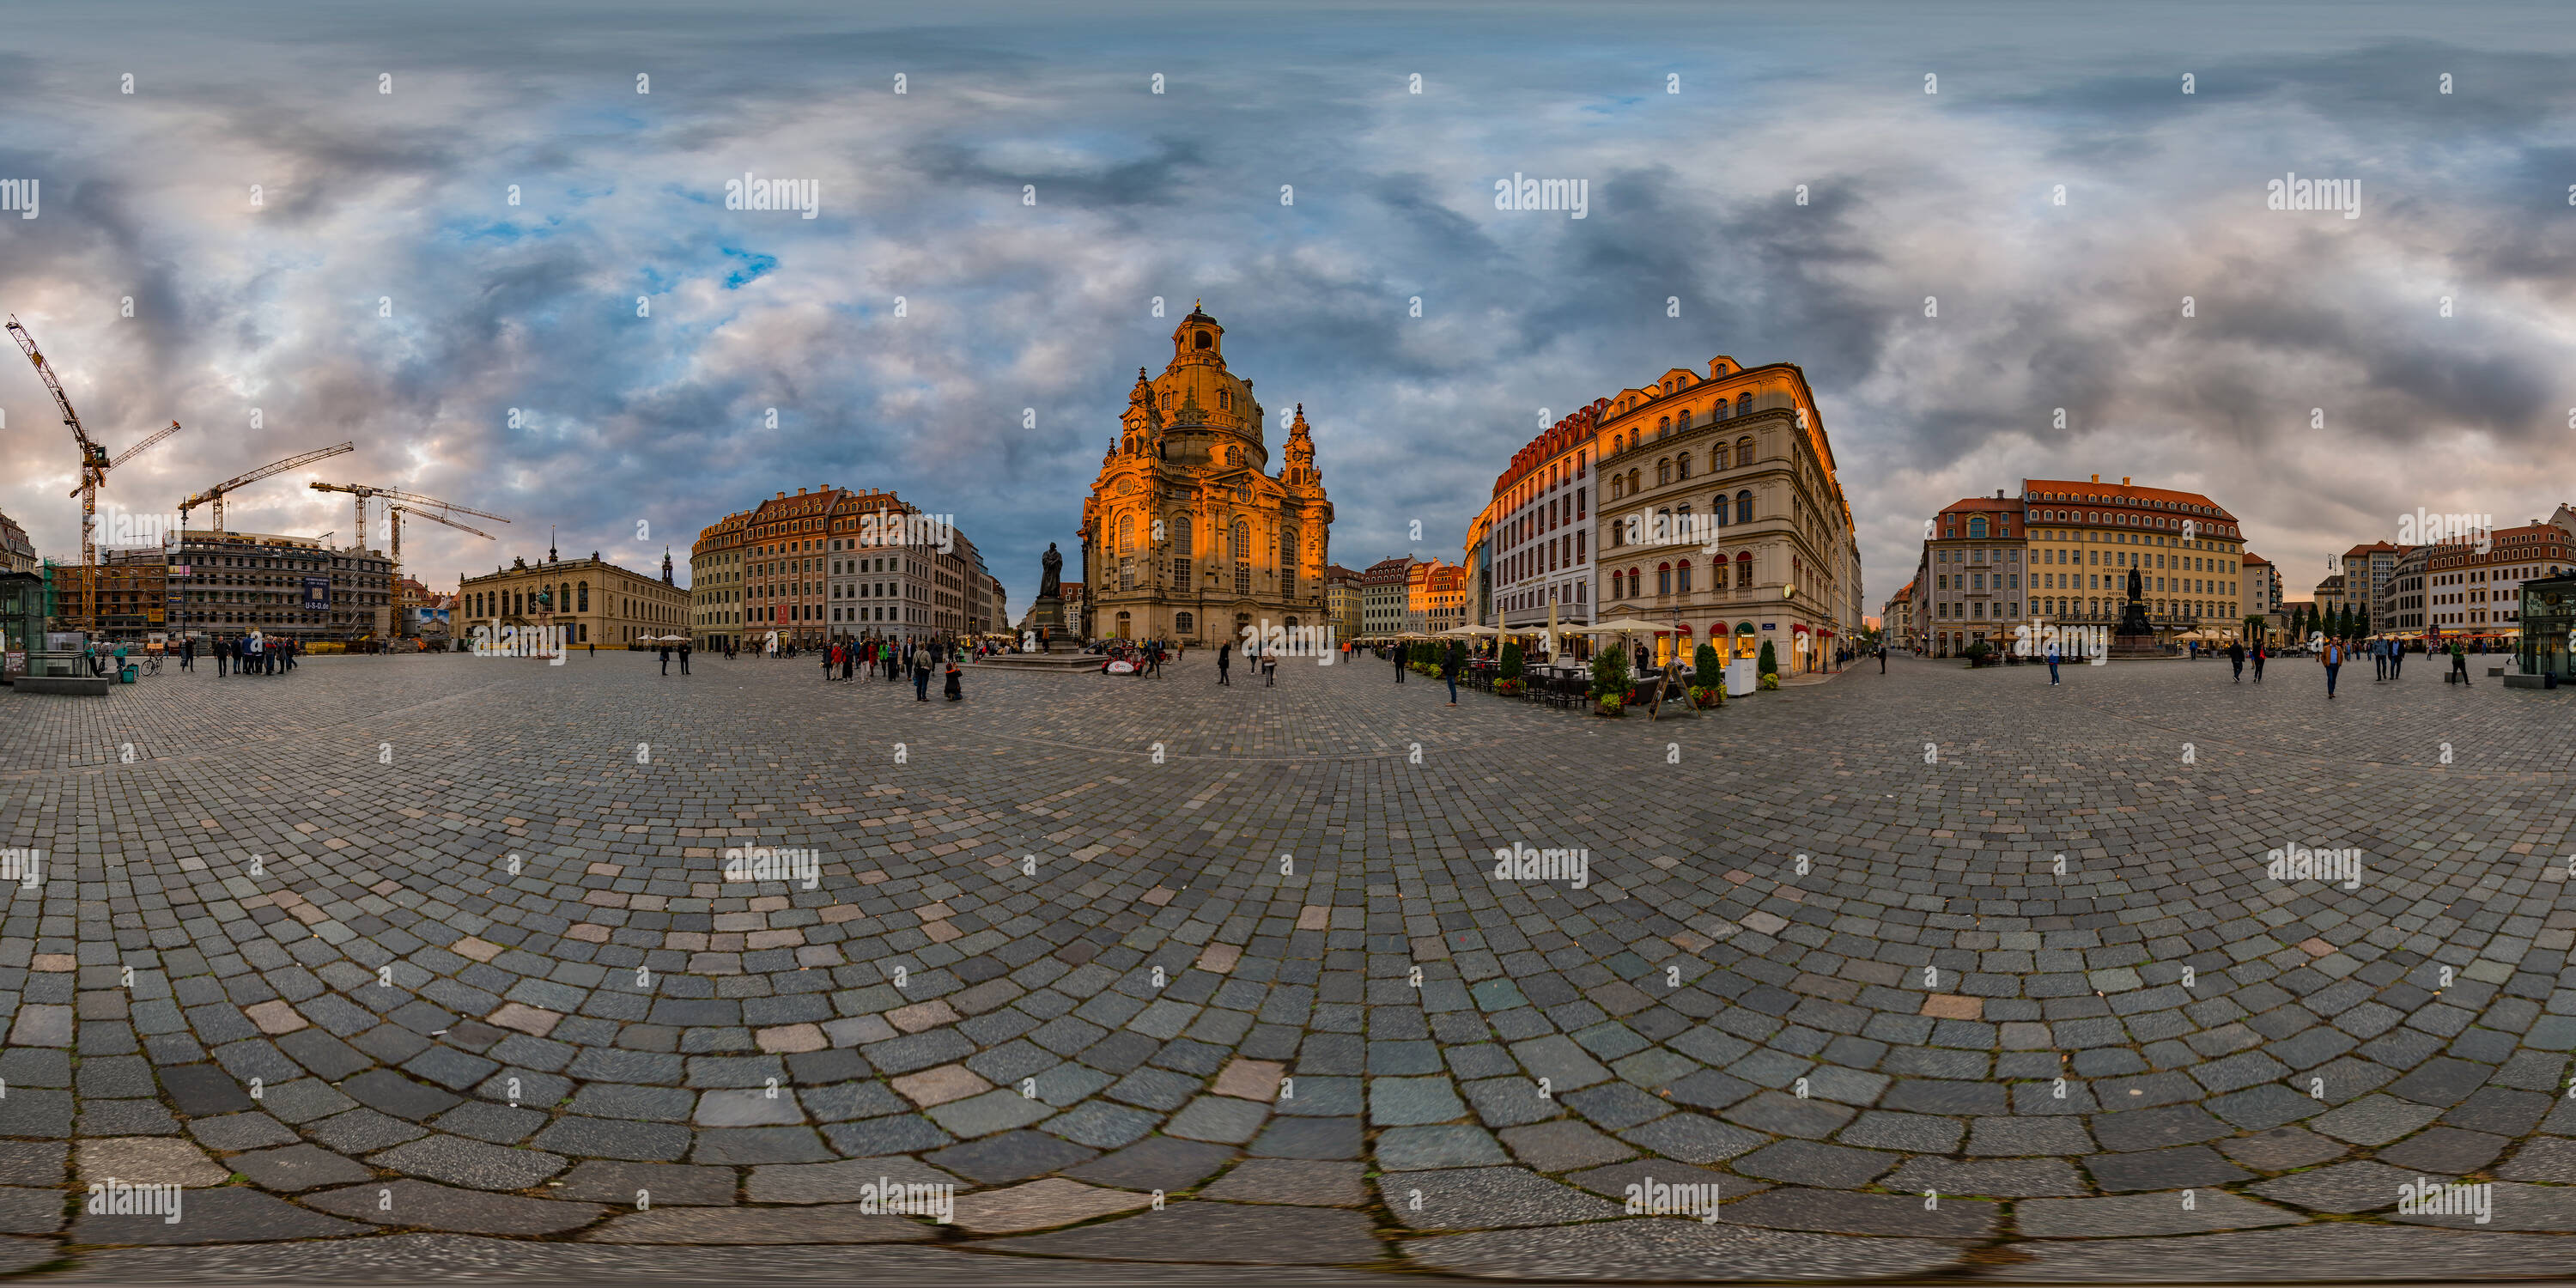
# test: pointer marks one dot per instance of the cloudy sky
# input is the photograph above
(2433, 334)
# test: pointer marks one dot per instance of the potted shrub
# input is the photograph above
(1767, 666)
(1708, 678)
(1610, 682)
(1507, 671)
(1977, 654)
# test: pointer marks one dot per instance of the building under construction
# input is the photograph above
(233, 583)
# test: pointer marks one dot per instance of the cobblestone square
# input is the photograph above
(401, 963)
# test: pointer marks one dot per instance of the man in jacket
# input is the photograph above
(2236, 659)
(2331, 658)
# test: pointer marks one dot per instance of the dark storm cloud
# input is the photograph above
(1046, 310)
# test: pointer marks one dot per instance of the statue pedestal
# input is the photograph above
(1047, 619)
(2135, 641)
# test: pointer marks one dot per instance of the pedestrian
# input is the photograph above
(2260, 652)
(956, 679)
(594, 648)
(2331, 658)
(2379, 659)
(1270, 667)
(1225, 663)
(1399, 664)
(684, 657)
(2052, 661)
(1154, 658)
(2396, 658)
(2459, 662)
(920, 663)
(829, 660)
(188, 655)
(2236, 659)
(223, 657)
(849, 660)
(1449, 672)
(1882, 659)
(666, 659)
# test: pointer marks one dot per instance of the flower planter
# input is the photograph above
(1612, 707)
(1510, 688)
(1707, 697)
(1771, 681)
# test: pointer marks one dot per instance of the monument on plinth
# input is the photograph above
(1046, 643)
(2135, 641)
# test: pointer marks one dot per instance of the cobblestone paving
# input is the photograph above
(395, 960)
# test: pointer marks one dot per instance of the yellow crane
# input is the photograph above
(93, 470)
(393, 515)
(214, 496)
(359, 492)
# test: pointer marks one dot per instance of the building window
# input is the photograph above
(1183, 623)
(1744, 450)
(1681, 466)
(1744, 404)
(1663, 579)
(1744, 506)
(1681, 581)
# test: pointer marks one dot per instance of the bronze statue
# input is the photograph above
(1049, 585)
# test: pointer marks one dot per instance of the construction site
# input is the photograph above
(151, 578)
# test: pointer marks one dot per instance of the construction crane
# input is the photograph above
(214, 496)
(359, 492)
(393, 511)
(94, 467)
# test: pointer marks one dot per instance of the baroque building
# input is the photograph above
(1186, 535)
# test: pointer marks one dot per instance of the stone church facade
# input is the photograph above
(1186, 535)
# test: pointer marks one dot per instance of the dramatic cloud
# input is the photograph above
(1028, 198)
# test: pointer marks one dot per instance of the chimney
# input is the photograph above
(2124, 480)
(783, 496)
(2097, 478)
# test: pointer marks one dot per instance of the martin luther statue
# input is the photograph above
(1049, 585)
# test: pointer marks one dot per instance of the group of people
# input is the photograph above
(244, 654)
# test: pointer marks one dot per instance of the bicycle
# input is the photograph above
(152, 664)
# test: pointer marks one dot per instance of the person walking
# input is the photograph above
(1882, 659)
(2331, 658)
(2396, 658)
(1399, 664)
(1449, 672)
(2052, 661)
(2236, 659)
(2459, 662)
(920, 662)
(666, 659)
(684, 657)
(1225, 663)
(2378, 659)
(849, 660)
(831, 659)
(1154, 658)
(2259, 653)
(187, 655)
(956, 678)
(594, 648)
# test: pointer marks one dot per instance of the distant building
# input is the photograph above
(594, 601)
(1342, 596)
(1383, 596)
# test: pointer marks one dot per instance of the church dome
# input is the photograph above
(1196, 387)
